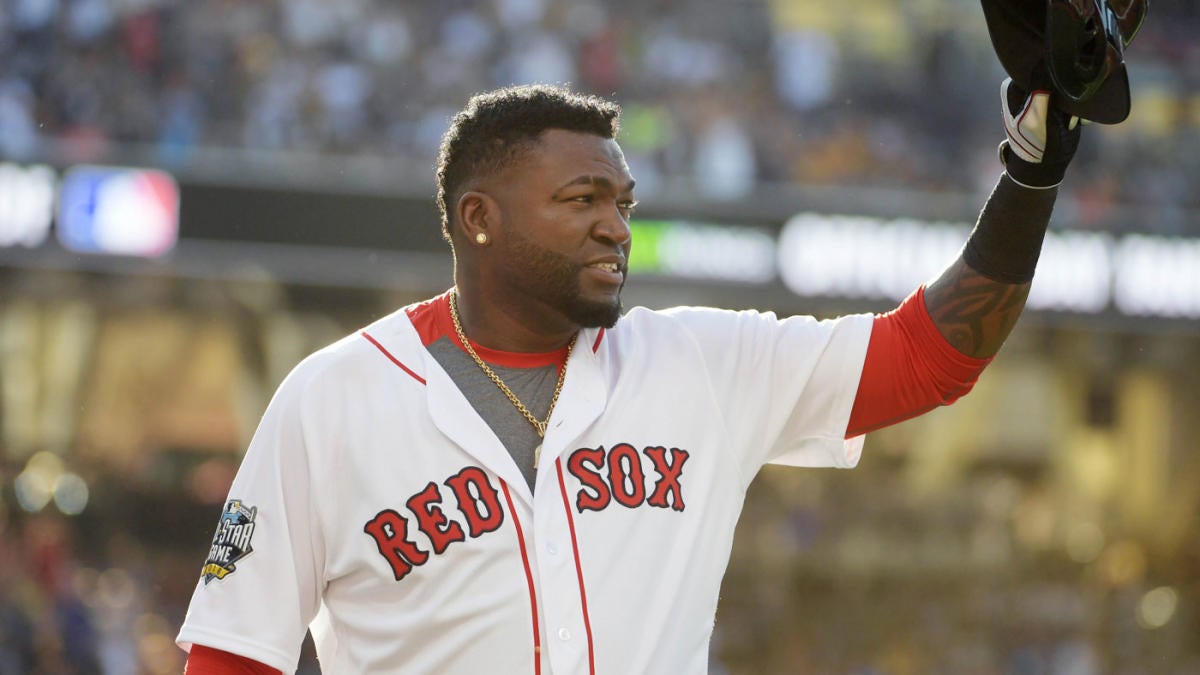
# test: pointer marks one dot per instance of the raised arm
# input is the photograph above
(977, 299)
(976, 311)
(931, 350)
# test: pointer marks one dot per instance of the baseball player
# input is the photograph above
(516, 477)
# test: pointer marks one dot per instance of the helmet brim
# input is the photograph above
(1110, 104)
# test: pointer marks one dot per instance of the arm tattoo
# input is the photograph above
(974, 313)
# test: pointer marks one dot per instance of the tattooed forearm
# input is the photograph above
(974, 313)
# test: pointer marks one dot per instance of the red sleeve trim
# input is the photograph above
(208, 661)
(909, 369)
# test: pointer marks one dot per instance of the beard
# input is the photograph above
(554, 279)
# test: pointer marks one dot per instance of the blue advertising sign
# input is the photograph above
(118, 211)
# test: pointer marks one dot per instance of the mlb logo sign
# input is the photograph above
(118, 211)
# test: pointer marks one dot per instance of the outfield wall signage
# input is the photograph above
(690, 250)
(26, 204)
(1084, 272)
(92, 209)
(136, 212)
(118, 211)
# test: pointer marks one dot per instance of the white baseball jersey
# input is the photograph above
(377, 508)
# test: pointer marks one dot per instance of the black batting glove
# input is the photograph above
(1041, 138)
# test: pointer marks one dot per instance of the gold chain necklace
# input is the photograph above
(538, 425)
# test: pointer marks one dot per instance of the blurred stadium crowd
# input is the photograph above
(727, 95)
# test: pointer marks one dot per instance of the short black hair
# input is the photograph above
(496, 125)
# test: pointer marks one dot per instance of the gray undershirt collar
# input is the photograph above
(533, 386)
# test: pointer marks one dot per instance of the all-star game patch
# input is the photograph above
(231, 542)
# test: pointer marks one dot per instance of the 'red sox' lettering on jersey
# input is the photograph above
(619, 474)
(481, 511)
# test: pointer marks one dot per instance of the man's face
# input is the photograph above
(566, 204)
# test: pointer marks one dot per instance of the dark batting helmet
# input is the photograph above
(1078, 45)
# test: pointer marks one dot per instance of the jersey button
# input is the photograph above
(564, 634)
(551, 549)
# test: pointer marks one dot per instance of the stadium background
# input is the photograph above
(795, 156)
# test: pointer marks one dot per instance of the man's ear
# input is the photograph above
(478, 216)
